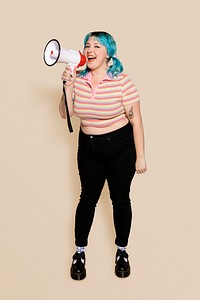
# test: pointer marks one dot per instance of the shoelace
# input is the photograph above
(78, 259)
(123, 255)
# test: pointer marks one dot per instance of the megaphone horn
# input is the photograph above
(54, 53)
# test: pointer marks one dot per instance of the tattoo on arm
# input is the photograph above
(130, 113)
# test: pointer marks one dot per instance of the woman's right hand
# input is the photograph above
(68, 77)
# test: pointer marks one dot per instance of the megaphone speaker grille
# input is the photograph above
(52, 52)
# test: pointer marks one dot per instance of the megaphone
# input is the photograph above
(54, 53)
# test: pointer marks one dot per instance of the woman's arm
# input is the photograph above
(69, 86)
(134, 115)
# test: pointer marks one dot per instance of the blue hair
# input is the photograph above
(108, 41)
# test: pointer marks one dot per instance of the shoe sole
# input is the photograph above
(78, 276)
(122, 274)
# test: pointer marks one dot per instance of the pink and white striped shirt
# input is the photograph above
(103, 106)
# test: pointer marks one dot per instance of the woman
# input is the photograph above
(111, 143)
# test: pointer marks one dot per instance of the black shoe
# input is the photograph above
(122, 267)
(78, 271)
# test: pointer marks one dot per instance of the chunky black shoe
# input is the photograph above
(78, 271)
(122, 267)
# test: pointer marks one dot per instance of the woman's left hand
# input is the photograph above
(140, 166)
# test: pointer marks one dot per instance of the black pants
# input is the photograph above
(103, 157)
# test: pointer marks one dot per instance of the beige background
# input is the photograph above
(158, 42)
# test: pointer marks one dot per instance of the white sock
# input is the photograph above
(121, 248)
(80, 249)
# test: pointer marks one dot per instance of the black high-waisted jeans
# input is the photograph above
(110, 157)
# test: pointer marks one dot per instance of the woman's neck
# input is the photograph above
(98, 75)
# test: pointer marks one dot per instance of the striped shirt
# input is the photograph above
(103, 106)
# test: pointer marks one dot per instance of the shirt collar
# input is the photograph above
(87, 77)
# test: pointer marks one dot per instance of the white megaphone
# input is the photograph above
(54, 53)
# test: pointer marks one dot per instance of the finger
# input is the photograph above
(66, 77)
(139, 171)
(68, 69)
(67, 73)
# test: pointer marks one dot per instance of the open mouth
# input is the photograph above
(91, 58)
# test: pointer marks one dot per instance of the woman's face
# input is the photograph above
(96, 55)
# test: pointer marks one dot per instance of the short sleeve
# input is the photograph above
(129, 91)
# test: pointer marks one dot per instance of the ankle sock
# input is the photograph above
(80, 249)
(121, 248)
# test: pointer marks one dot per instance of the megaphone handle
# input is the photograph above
(72, 66)
(67, 110)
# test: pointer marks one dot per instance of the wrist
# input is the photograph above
(140, 156)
